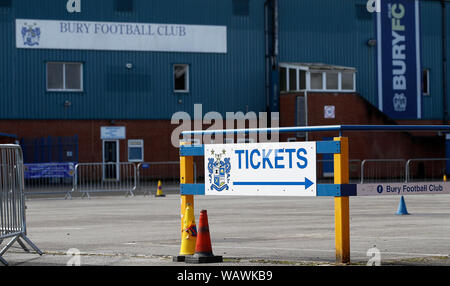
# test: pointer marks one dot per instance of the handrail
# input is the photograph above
(339, 128)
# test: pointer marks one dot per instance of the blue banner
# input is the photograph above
(399, 71)
(49, 170)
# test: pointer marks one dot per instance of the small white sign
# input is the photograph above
(329, 111)
(261, 169)
(419, 188)
(113, 36)
(112, 133)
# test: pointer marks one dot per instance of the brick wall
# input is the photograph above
(350, 108)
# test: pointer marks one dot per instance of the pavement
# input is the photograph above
(246, 231)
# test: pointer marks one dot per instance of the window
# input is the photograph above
(64, 76)
(135, 150)
(181, 78)
(317, 77)
(426, 82)
(316, 80)
(302, 79)
(348, 81)
(332, 80)
(283, 79)
(292, 79)
(124, 5)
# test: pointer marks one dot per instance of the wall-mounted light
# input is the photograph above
(67, 103)
(372, 42)
(129, 65)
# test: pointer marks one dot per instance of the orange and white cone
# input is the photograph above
(203, 249)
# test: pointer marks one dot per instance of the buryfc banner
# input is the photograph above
(398, 56)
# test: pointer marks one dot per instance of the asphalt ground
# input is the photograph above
(246, 231)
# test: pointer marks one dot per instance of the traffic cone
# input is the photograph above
(188, 235)
(159, 192)
(203, 249)
(402, 207)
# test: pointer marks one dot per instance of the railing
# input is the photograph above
(49, 179)
(150, 173)
(86, 178)
(12, 200)
(383, 170)
(105, 177)
(426, 169)
(326, 174)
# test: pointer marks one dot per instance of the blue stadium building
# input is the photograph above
(99, 81)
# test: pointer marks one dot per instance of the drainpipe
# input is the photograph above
(271, 47)
(444, 61)
(275, 35)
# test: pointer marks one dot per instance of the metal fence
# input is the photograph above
(383, 170)
(325, 171)
(426, 169)
(105, 177)
(143, 178)
(150, 173)
(49, 178)
(12, 200)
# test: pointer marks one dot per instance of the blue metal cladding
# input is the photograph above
(325, 31)
(431, 31)
(331, 32)
(221, 82)
(337, 32)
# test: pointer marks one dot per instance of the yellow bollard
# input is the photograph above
(341, 204)
(445, 177)
(186, 177)
(159, 192)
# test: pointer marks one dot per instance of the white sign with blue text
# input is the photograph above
(417, 188)
(112, 132)
(261, 169)
(113, 36)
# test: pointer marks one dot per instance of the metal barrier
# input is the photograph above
(382, 170)
(149, 173)
(426, 169)
(12, 200)
(328, 177)
(49, 179)
(105, 177)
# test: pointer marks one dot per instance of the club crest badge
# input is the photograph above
(400, 102)
(219, 171)
(31, 35)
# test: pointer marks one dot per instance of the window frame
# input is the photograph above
(64, 89)
(308, 72)
(188, 78)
